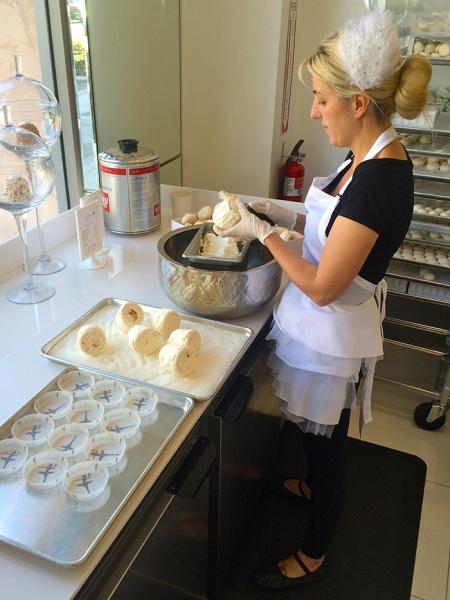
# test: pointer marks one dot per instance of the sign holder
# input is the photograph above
(90, 230)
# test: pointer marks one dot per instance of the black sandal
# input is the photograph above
(276, 486)
(275, 580)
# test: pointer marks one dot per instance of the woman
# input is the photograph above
(327, 326)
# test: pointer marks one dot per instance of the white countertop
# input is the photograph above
(132, 274)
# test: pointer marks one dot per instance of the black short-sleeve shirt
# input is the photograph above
(381, 197)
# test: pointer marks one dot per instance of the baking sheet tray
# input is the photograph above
(419, 263)
(222, 346)
(50, 523)
(192, 252)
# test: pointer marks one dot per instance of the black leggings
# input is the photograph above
(327, 479)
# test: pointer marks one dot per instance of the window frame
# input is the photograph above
(53, 36)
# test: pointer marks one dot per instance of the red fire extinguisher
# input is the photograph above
(293, 175)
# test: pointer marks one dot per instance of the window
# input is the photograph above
(76, 11)
(18, 32)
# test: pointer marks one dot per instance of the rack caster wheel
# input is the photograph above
(421, 414)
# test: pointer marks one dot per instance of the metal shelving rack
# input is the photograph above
(417, 324)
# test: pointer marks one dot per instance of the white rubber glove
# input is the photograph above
(278, 214)
(248, 228)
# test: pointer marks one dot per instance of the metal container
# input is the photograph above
(201, 385)
(211, 291)
(193, 251)
(129, 179)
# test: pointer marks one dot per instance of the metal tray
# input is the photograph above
(431, 175)
(224, 345)
(419, 263)
(50, 523)
(193, 250)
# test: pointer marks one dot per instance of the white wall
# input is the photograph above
(316, 19)
(135, 63)
(229, 63)
(232, 73)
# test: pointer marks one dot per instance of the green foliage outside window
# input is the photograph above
(79, 58)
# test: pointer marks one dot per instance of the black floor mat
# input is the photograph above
(373, 551)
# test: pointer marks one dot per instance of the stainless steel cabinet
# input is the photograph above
(182, 539)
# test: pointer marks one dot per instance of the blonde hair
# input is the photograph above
(405, 91)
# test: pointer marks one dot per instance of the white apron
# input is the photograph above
(349, 327)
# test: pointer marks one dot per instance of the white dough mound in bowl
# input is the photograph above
(226, 213)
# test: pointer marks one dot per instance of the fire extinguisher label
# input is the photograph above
(293, 186)
(105, 202)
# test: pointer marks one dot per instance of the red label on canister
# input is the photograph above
(144, 170)
(112, 171)
(105, 202)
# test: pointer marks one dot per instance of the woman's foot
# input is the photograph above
(298, 487)
(290, 567)
(294, 571)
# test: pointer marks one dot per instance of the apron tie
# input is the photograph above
(369, 364)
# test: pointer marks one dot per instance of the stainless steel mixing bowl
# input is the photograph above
(210, 291)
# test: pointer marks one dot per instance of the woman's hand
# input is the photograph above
(248, 228)
(278, 214)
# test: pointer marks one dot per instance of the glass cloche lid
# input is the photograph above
(26, 168)
(33, 105)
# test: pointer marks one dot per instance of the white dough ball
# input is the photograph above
(425, 139)
(129, 315)
(444, 50)
(429, 276)
(418, 47)
(226, 213)
(144, 340)
(165, 320)
(419, 161)
(177, 360)
(444, 168)
(204, 213)
(188, 219)
(187, 338)
(91, 340)
(429, 48)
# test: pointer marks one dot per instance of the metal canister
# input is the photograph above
(129, 180)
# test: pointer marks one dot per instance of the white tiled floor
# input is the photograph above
(393, 426)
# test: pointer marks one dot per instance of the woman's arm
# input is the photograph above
(347, 248)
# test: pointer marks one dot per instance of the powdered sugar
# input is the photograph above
(220, 347)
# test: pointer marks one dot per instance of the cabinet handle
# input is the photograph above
(194, 470)
(236, 400)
